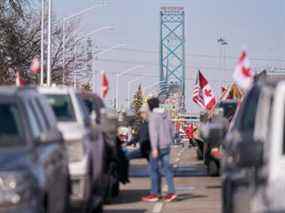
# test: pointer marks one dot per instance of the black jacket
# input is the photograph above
(144, 140)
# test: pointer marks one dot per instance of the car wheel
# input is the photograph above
(213, 168)
(67, 203)
(98, 209)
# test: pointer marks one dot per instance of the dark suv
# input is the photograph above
(34, 175)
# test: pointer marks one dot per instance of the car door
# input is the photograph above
(276, 175)
(46, 157)
(57, 154)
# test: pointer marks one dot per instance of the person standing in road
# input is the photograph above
(161, 133)
(143, 137)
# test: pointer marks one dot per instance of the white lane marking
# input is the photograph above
(157, 207)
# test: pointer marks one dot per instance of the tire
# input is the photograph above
(213, 168)
(67, 202)
(116, 189)
(98, 209)
(227, 196)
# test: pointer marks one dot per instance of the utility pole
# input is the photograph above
(49, 42)
(42, 42)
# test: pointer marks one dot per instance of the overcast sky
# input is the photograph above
(256, 24)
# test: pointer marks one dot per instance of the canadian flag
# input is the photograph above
(19, 81)
(243, 74)
(203, 94)
(104, 84)
(36, 65)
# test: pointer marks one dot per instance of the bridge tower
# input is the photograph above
(172, 49)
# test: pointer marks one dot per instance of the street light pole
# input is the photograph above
(42, 42)
(75, 49)
(49, 42)
(94, 61)
(117, 81)
(65, 19)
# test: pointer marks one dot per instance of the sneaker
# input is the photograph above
(150, 198)
(170, 197)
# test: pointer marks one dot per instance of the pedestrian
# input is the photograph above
(143, 137)
(161, 133)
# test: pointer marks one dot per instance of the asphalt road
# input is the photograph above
(196, 192)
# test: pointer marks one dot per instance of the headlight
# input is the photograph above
(75, 151)
(14, 187)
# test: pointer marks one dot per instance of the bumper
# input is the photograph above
(79, 180)
(30, 207)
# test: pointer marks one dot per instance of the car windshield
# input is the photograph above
(10, 126)
(62, 107)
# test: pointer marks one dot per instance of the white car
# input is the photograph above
(74, 123)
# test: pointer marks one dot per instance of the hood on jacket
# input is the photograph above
(162, 112)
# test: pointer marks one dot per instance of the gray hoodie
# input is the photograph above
(161, 129)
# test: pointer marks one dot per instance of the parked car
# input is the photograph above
(245, 128)
(34, 174)
(108, 126)
(85, 158)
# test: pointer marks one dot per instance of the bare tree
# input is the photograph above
(20, 43)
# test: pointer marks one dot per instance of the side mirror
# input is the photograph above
(249, 154)
(50, 137)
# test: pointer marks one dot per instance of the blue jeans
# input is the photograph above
(155, 175)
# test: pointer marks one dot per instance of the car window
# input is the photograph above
(247, 121)
(48, 111)
(10, 130)
(41, 109)
(38, 114)
(62, 107)
(82, 107)
(89, 105)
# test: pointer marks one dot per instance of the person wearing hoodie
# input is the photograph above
(161, 133)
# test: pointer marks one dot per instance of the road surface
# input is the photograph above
(197, 193)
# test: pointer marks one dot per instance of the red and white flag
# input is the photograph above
(203, 94)
(104, 84)
(19, 81)
(36, 65)
(243, 74)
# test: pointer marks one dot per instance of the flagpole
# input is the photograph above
(42, 43)
(49, 42)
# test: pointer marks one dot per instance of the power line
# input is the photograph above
(201, 55)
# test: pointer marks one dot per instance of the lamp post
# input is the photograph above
(86, 36)
(65, 19)
(118, 75)
(42, 42)
(129, 86)
(49, 42)
(117, 46)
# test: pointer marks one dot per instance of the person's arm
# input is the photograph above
(153, 133)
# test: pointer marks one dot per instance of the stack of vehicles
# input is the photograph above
(254, 162)
(56, 153)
